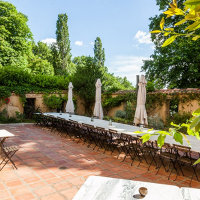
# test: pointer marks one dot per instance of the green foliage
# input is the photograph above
(192, 126)
(120, 114)
(178, 118)
(39, 66)
(85, 78)
(130, 109)
(63, 42)
(4, 118)
(113, 84)
(99, 53)
(53, 101)
(155, 121)
(189, 13)
(150, 87)
(22, 82)
(43, 51)
(177, 65)
(20, 117)
(4, 92)
(15, 36)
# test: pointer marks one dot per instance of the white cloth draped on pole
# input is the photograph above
(98, 111)
(70, 104)
(140, 113)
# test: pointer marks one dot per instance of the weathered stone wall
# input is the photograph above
(163, 111)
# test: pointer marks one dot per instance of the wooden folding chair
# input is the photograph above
(185, 157)
(7, 154)
(167, 153)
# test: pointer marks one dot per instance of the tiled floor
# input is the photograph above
(43, 152)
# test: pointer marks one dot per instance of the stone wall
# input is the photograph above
(163, 111)
(16, 105)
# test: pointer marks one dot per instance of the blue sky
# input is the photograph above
(121, 25)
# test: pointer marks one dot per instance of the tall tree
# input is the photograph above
(84, 80)
(63, 42)
(99, 53)
(15, 37)
(176, 65)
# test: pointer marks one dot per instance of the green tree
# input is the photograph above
(113, 84)
(178, 64)
(40, 66)
(43, 51)
(87, 72)
(99, 53)
(57, 62)
(63, 42)
(191, 13)
(15, 37)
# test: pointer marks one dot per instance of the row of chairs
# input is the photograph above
(129, 145)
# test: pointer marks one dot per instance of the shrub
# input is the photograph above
(178, 118)
(4, 118)
(53, 101)
(120, 114)
(155, 121)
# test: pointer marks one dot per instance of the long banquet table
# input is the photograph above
(124, 128)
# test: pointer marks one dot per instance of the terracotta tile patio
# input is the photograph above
(43, 152)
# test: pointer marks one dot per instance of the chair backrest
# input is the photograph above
(166, 148)
(182, 150)
(112, 131)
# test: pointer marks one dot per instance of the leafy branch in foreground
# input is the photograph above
(191, 12)
(193, 128)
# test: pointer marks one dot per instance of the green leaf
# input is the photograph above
(197, 111)
(145, 137)
(191, 2)
(185, 125)
(196, 162)
(197, 135)
(156, 31)
(138, 132)
(188, 35)
(180, 22)
(174, 124)
(185, 137)
(161, 140)
(163, 132)
(166, 33)
(169, 40)
(178, 137)
(195, 122)
(169, 29)
(192, 26)
(162, 22)
(197, 127)
(150, 130)
(190, 132)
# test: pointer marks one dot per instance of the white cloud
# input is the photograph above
(79, 43)
(92, 43)
(49, 41)
(143, 37)
(136, 46)
(128, 66)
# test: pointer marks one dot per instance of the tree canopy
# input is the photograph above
(84, 79)
(15, 37)
(176, 65)
(99, 52)
(63, 42)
